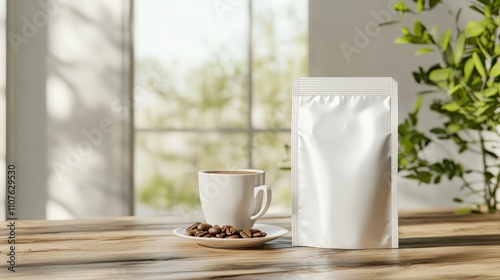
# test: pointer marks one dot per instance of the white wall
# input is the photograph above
(88, 117)
(69, 121)
(335, 22)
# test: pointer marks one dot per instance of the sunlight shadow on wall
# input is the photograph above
(87, 123)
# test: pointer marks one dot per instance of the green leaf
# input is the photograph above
(400, 7)
(468, 68)
(388, 23)
(417, 77)
(454, 128)
(495, 70)
(441, 133)
(488, 25)
(402, 40)
(497, 50)
(407, 145)
(479, 111)
(424, 50)
(478, 64)
(457, 17)
(455, 88)
(463, 211)
(427, 39)
(413, 118)
(444, 41)
(459, 47)
(418, 28)
(448, 56)
(458, 200)
(420, 6)
(487, 11)
(451, 107)
(411, 176)
(413, 39)
(480, 45)
(438, 130)
(485, 2)
(437, 167)
(433, 3)
(443, 136)
(425, 177)
(490, 92)
(473, 29)
(440, 74)
(427, 92)
(418, 103)
(437, 180)
(474, 8)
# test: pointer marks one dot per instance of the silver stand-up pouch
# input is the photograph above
(344, 163)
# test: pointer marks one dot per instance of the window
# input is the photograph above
(213, 90)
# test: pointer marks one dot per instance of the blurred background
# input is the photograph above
(110, 107)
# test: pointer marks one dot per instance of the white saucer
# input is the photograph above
(273, 232)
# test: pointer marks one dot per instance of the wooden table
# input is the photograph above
(433, 245)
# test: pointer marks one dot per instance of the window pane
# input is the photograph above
(167, 164)
(279, 58)
(191, 80)
(271, 155)
(191, 65)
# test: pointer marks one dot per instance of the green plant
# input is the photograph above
(466, 95)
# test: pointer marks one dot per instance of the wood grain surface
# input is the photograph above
(433, 245)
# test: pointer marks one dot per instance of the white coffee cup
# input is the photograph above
(233, 197)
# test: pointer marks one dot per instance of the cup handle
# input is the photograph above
(266, 200)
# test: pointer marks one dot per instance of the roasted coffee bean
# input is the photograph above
(246, 233)
(231, 230)
(201, 233)
(214, 230)
(194, 226)
(204, 227)
(259, 234)
(226, 231)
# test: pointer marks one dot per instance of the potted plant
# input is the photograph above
(465, 92)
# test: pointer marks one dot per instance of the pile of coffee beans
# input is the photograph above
(227, 231)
